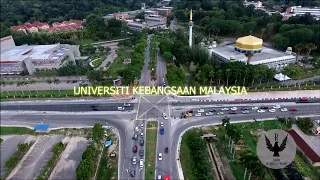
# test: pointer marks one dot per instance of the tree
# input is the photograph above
(305, 124)
(97, 133)
(252, 164)
(249, 55)
(310, 47)
(56, 81)
(211, 74)
(228, 74)
(95, 76)
(49, 81)
(299, 47)
(176, 76)
(219, 75)
(226, 121)
(167, 56)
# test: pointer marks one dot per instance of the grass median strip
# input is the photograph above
(15, 130)
(151, 145)
(46, 171)
(12, 162)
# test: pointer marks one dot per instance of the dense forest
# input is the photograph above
(231, 18)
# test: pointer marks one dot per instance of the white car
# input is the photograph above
(255, 108)
(200, 110)
(245, 112)
(141, 134)
(160, 156)
(141, 125)
(127, 105)
(261, 111)
(159, 177)
(234, 108)
(272, 110)
(198, 114)
(134, 160)
(276, 107)
(164, 116)
(137, 129)
(141, 163)
(224, 109)
(161, 124)
(120, 108)
(284, 109)
(209, 114)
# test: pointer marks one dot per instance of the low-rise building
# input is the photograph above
(298, 10)
(25, 58)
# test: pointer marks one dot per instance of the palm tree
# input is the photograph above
(299, 47)
(310, 47)
(246, 72)
(249, 55)
(19, 84)
(49, 81)
(228, 73)
(263, 30)
(211, 74)
(252, 163)
(226, 121)
(219, 75)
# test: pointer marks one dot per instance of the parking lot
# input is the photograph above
(38, 155)
(8, 147)
(70, 158)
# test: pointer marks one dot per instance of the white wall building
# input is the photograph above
(16, 59)
(298, 10)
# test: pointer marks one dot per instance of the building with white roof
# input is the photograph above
(25, 58)
(261, 54)
(298, 10)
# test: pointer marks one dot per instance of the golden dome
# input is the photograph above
(249, 43)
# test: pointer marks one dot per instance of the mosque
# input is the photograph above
(237, 51)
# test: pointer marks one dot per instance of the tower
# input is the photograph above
(190, 29)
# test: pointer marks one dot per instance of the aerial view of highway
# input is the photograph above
(226, 90)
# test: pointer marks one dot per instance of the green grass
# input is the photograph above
(37, 94)
(85, 41)
(117, 64)
(247, 137)
(15, 130)
(307, 74)
(305, 168)
(151, 146)
(185, 160)
(97, 62)
(107, 167)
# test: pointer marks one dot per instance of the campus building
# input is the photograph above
(25, 58)
(298, 10)
(261, 54)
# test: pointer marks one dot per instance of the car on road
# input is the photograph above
(135, 149)
(159, 177)
(234, 108)
(276, 107)
(293, 109)
(209, 114)
(95, 108)
(284, 109)
(232, 112)
(220, 113)
(160, 156)
(244, 108)
(264, 107)
(245, 112)
(200, 110)
(255, 108)
(135, 137)
(190, 111)
(261, 111)
(126, 105)
(224, 109)
(161, 124)
(141, 142)
(132, 173)
(134, 160)
(141, 163)
(272, 110)
(212, 110)
(164, 116)
(120, 108)
(166, 149)
(161, 131)
(141, 125)
(137, 128)
(141, 134)
(198, 114)
(141, 153)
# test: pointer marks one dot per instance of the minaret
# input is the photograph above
(190, 29)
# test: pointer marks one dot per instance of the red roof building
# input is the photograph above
(312, 156)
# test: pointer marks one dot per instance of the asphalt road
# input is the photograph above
(161, 70)
(8, 147)
(180, 125)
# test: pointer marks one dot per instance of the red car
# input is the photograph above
(135, 149)
(166, 177)
(166, 150)
(293, 109)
